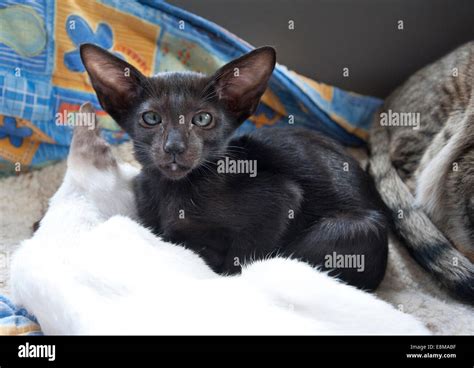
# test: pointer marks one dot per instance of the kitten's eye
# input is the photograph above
(202, 119)
(151, 118)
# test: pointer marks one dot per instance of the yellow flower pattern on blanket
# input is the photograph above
(133, 38)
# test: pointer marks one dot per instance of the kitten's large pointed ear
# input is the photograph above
(116, 82)
(241, 83)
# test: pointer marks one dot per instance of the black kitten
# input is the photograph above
(233, 199)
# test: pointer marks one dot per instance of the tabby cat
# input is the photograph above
(422, 158)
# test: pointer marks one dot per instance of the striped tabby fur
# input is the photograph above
(426, 175)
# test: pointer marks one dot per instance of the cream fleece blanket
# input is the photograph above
(24, 199)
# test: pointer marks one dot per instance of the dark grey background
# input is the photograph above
(360, 34)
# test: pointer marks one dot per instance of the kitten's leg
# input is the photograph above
(353, 246)
(275, 200)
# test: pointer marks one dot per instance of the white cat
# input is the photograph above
(92, 269)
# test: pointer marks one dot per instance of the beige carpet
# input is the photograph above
(24, 199)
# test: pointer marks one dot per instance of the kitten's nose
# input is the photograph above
(174, 143)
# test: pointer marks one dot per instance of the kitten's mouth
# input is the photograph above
(174, 170)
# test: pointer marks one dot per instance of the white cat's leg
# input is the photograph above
(95, 186)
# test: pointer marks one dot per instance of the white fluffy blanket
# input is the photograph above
(24, 199)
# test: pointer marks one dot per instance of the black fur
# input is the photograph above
(229, 216)
(308, 199)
